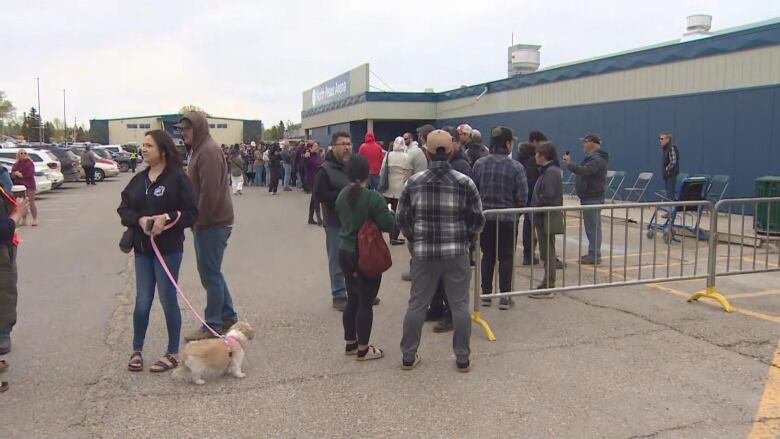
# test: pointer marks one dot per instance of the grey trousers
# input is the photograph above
(456, 274)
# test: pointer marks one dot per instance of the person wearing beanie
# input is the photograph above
(476, 149)
(440, 213)
(502, 184)
(355, 205)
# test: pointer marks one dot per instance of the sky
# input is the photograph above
(253, 59)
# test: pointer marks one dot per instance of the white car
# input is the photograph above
(44, 161)
(43, 181)
(114, 149)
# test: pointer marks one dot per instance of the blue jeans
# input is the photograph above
(373, 181)
(287, 168)
(267, 172)
(210, 245)
(671, 189)
(148, 274)
(592, 220)
(338, 287)
(260, 176)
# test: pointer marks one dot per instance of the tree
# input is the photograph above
(281, 129)
(272, 134)
(7, 112)
(188, 108)
(30, 123)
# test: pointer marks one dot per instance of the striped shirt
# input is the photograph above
(440, 212)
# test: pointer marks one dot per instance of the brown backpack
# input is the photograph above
(373, 254)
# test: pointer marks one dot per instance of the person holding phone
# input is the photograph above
(159, 203)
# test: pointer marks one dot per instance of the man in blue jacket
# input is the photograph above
(591, 184)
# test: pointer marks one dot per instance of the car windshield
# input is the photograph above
(102, 153)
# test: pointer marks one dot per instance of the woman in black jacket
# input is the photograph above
(158, 202)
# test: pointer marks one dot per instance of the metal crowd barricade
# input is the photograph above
(631, 217)
(723, 234)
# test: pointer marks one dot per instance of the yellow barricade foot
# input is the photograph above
(477, 318)
(712, 293)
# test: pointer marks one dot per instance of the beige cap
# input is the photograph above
(439, 139)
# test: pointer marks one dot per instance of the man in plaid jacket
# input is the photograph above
(440, 213)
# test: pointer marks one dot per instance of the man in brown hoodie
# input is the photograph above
(208, 171)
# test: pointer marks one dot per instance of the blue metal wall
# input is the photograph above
(734, 132)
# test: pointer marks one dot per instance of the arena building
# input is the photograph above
(224, 130)
(717, 92)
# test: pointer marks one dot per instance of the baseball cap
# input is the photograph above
(500, 135)
(425, 129)
(465, 129)
(183, 123)
(591, 138)
(439, 139)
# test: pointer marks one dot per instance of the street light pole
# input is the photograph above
(40, 118)
(64, 119)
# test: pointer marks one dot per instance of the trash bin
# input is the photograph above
(768, 187)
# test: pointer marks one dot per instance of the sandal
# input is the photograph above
(3, 386)
(372, 354)
(3, 366)
(164, 364)
(136, 363)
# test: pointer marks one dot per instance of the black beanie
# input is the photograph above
(358, 169)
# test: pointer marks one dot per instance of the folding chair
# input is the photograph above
(691, 189)
(678, 181)
(569, 183)
(639, 188)
(614, 184)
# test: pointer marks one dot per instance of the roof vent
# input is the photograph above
(698, 25)
(523, 59)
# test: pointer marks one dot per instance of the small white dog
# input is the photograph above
(214, 357)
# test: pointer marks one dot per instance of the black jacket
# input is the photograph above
(329, 181)
(527, 156)
(461, 164)
(670, 171)
(475, 151)
(171, 192)
(591, 182)
(7, 225)
(548, 190)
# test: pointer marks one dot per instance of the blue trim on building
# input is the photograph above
(744, 39)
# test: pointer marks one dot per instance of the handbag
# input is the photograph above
(553, 223)
(126, 242)
(384, 177)
(373, 254)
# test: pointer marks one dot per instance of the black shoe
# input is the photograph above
(406, 277)
(227, 324)
(312, 222)
(487, 303)
(464, 366)
(505, 303)
(558, 264)
(377, 300)
(340, 304)
(527, 261)
(444, 325)
(397, 242)
(5, 345)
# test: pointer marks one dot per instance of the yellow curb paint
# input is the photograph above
(743, 311)
(756, 294)
(766, 425)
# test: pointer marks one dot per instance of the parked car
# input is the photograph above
(121, 158)
(42, 178)
(70, 163)
(42, 157)
(103, 167)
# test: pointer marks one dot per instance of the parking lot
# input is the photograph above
(625, 362)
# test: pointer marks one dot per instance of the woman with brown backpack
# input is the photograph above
(362, 213)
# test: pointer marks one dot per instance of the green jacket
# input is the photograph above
(370, 205)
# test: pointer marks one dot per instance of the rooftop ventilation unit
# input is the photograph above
(698, 26)
(523, 59)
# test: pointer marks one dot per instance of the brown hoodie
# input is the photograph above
(208, 171)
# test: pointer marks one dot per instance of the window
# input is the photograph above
(211, 125)
(221, 125)
(132, 126)
(144, 126)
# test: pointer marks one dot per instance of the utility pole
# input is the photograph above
(40, 118)
(64, 119)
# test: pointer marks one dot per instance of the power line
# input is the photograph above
(380, 80)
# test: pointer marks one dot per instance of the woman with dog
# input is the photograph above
(354, 206)
(157, 203)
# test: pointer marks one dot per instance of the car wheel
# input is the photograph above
(124, 167)
(100, 175)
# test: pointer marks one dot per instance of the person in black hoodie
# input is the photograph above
(159, 203)
(527, 157)
(275, 158)
(331, 178)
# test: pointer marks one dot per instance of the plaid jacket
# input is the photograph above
(501, 182)
(440, 212)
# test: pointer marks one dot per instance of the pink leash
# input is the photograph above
(176, 284)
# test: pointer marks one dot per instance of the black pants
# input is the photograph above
(393, 206)
(133, 165)
(273, 186)
(358, 316)
(503, 249)
(89, 174)
(8, 291)
(314, 209)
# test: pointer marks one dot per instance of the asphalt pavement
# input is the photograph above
(634, 362)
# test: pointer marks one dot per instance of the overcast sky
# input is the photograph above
(253, 59)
